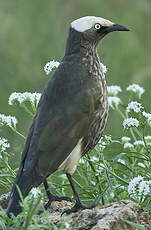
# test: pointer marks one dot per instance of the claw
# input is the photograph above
(78, 206)
(75, 208)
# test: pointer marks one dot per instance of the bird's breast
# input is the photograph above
(100, 99)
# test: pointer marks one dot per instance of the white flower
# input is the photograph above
(147, 138)
(149, 144)
(128, 145)
(22, 97)
(135, 106)
(125, 139)
(82, 161)
(136, 89)
(35, 192)
(133, 183)
(138, 143)
(8, 120)
(130, 122)
(141, 165)
(15, 97)
(138, 188)
(32, 97)
(94, 158)
(113, 90)
(102, 144)
(148, 116)
(114, 102)
(4, 144)
(50, 66)
(143, 189)
(108, 138)
(104, 68)
(121, 161)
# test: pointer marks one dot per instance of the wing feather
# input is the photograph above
(63, 116)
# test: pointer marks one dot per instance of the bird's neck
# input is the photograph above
(77, 45)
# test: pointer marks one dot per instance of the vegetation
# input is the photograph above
(118, 168)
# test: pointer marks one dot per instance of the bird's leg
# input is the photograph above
(78, 203)
(52, 197)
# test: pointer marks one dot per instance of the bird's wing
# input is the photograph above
(64, 129)
(62, 118)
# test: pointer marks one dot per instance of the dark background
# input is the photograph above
(33, 32)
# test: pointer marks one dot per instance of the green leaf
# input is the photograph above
(32, 209)
(137, 226)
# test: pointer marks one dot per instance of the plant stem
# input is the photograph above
(115, 175)
(18, 133)
(120, 112)
(27, 110)
(133, 135)
(97, 178)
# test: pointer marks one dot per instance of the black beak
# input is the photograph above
(116, 27)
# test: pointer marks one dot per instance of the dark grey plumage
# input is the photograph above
(71, 114)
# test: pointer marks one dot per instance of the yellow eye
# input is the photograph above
(97, 26)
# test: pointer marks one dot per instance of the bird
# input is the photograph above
(71, 115)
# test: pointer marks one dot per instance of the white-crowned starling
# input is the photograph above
(71, 115)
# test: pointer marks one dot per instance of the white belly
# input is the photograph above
(70, 163)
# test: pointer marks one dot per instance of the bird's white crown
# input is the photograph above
(86, 23)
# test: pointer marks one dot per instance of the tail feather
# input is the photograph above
(25, 185)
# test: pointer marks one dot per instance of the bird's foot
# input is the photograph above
(52, 197)
(78, 205)
(56, 198)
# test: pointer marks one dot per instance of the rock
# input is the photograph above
(107, 217)
(4, 199)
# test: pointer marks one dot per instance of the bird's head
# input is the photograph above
(95, 28)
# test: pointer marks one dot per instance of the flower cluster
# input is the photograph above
(113, 90)
(22, 97)
(147, 138)
(134, 106)
(114, 102)
(125, 139)
(130, 122)
(4, 144)
(50, 66)
(139, 143)
(128, 145)
(148, 117)
(8, 121)
(102, 144)
(35, 192)
(136, 89)
(138, 188)
(138, 108)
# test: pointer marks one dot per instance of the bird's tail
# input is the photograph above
(25, 185)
